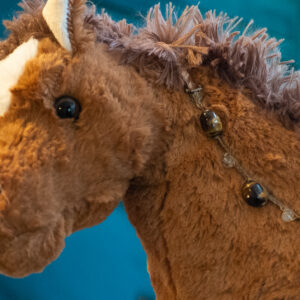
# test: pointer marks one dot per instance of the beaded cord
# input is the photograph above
(254, 193)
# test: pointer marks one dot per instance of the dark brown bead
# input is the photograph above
(254, 194)
(211, 123)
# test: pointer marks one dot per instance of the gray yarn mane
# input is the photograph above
(165, 45)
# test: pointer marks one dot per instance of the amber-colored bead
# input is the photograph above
(254, 194)
(211, 123)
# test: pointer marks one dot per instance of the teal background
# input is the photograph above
(107, 262)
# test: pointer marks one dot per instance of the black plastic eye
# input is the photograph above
(67, 107)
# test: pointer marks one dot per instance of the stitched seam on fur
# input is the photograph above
(167, 261)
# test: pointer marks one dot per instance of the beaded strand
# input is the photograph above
(254, 193)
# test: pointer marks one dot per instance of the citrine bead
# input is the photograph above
(254, 194)
(288, 215)
(228, 160)
(211, 123)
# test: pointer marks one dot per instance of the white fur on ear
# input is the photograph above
(12, 67)
(55, 14)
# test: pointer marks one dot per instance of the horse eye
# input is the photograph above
(67, 107)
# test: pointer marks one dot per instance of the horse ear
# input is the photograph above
(65, 18)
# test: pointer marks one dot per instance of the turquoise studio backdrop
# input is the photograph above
(107, 262)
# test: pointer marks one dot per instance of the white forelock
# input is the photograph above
(11, 68)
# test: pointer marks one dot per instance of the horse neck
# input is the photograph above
(197, 231)
(172, 163)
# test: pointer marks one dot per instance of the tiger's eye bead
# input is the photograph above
(254, 194)
(211, 123)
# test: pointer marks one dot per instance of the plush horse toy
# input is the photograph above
(194, 125)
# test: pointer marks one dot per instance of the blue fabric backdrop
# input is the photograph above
(107, 261)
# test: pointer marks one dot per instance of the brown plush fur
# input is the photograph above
(202, 240)
(142, 142)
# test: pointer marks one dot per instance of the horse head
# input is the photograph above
(69, 147)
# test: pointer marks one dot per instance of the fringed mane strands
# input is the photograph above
(165, 45)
